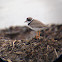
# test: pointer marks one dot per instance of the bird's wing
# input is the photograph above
(36, 24)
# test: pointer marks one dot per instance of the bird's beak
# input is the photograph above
(25, 21)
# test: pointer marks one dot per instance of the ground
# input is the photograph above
(45, 49)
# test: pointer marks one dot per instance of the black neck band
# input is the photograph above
(30, 22)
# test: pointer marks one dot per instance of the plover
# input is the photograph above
(35, 25)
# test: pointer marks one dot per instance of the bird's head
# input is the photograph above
(29, 19)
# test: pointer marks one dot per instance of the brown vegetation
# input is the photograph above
(16, 48)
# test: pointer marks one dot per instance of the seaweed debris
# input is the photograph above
(45, 49)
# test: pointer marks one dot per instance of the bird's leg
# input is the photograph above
(37, 34)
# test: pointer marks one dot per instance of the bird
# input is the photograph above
(35, 25)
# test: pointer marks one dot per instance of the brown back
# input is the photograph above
(36, 24)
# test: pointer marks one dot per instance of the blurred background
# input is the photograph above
(15, 12)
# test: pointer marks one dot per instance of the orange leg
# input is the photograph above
(37, 34)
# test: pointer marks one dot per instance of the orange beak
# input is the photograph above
(25, 21)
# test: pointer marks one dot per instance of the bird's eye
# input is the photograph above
(28, 19)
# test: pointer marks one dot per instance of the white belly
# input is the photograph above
(37, 29)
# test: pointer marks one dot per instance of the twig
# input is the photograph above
(47, 47)
(56, 52)
(9, 60)
(14, 43)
